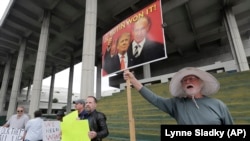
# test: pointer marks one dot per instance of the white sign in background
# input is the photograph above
(11, 134)
(51, 131)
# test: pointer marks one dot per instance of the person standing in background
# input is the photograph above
(79, 106)
(33, 128)
(18, 120)
(60, 115)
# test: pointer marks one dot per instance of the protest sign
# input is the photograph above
(73, 129)
(11, 134)
(51, 131)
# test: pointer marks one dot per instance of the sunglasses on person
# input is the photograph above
(19, 111)
(190, 79)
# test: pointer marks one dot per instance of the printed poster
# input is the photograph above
(51, 131)
(11, 134)
(135, 41)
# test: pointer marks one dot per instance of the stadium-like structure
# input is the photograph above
(39, 38)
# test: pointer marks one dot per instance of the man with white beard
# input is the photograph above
(190, 104)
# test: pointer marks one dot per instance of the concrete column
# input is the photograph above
(1, 71)
(28, 91)
(235, 40)
(17, 80)
(51, 90)
(88, 51)
(98, 81)
(4, 86)
(70, 87)
(40, 63)
(146, 71)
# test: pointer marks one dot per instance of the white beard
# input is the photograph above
(192, 92)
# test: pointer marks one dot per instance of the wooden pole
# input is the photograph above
(130, 113)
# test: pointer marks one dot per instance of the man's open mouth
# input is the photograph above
(189, 86)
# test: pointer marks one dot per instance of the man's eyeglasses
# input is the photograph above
(20, 111)
(190, 79)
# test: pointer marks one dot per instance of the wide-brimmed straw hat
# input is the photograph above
(210, 86)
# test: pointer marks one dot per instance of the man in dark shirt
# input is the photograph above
(97, 120)
(79, 106)
(60, 115)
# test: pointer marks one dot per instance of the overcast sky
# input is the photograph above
(3, 5)
(62, 78)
